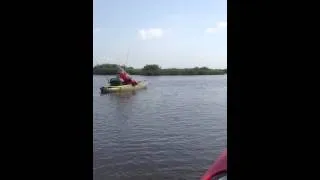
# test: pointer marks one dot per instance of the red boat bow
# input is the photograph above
(217, 168)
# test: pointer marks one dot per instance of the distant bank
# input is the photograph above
(155, 70)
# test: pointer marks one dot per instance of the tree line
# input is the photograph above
(156, 70)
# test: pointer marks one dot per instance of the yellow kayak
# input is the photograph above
(124, 88)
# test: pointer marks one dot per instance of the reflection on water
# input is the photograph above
(172, 130)
(126, 94)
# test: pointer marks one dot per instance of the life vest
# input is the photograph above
(124, 76)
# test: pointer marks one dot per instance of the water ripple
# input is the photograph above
(172, 130)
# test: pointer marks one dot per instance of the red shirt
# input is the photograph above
(124, 76)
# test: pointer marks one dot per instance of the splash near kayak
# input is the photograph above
(218, 170)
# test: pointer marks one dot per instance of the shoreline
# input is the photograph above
(164, 75)
(156, 70)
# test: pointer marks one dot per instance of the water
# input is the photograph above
(172, 130)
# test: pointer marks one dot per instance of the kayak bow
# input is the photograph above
(218, 170)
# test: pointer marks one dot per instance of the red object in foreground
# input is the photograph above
(219, 167)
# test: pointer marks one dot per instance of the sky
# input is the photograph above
(170, 33)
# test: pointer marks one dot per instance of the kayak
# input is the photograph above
(124, 88)
(218, 170)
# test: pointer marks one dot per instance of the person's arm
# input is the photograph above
(120, 77)
(120, 68)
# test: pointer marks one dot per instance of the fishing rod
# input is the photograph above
(126, 62)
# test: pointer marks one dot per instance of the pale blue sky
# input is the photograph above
(171, 33)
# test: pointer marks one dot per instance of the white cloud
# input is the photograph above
(220, 25)
(152, 33)
(211, 30)
(96, 29)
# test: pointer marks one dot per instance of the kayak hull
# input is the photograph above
(218, 168)
(124, 88)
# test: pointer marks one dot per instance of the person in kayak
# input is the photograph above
(125, 78)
